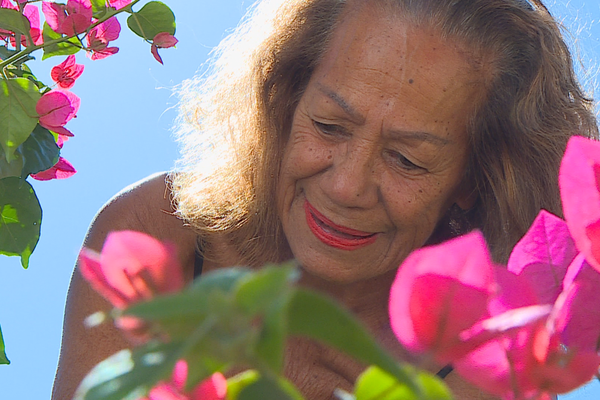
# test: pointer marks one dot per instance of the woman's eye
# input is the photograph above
(404, 162)
(330, 129)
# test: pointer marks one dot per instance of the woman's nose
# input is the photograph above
(351, 181)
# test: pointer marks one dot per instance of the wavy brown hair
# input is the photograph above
(236, 117)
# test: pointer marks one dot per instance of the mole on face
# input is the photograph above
(411, 81)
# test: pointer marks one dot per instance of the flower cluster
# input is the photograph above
(76, 25)
(34, 115)
(525, 331)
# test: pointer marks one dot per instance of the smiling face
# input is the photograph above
(377, 148)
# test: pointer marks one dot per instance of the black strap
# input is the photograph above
(442, 373)
(198, 261)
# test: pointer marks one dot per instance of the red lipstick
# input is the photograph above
(335, 235)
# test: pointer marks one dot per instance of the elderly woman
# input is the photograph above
(346, 134)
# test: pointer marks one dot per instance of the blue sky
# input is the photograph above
(122, 134)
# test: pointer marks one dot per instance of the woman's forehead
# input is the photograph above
(373, 54)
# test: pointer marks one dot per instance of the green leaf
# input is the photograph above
(193, 301)
(4, 52)
(264, 388)
(260, 289)
(433, 387)
(319, 317)
(18, 117)
(24, 72)
(155, 17)
(236, 383)
(20, 219)
(13, 168)
(3, 358)
(39, 151)
(270, 347)
(98, 5)
(127, 374)
(65, 48)
(376, 384)
(14, 21)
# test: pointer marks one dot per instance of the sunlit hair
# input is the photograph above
(236, 117)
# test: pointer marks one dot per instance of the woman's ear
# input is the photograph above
(466, 195)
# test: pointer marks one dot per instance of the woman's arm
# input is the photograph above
(146, 207)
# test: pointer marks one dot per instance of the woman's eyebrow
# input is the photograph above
(420, 136)
(358, 117)
(348, 109)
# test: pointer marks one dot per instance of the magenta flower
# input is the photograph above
(67, 72)
(70, 19)
(100, 36)
(212, 388)
(550, 347)
(132, 267)
(543, 255)
(56, 108)
(118, 4)
(32, 13)
(520, 333)
(554, 353)
(162, 40)
(579, 181)
(61, 170)
(438, 293)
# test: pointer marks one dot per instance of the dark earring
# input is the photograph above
(457, 221)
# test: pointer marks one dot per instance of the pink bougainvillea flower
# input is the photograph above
(132, 267)
(579, 181)
(100, 36)
(162, 40)
(118, 4)
(554, 353)
(67, 72)
(70, 19)
(439, 292)
(32, 14)
(576, 315)
(61, 170)
(212, 388)
(543, 255)
(501, 366)
(56, 108)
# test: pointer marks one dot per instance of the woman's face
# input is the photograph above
(377, 149)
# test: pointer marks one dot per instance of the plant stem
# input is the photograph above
(25, 52)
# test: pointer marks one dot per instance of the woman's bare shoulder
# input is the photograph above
(144, 206)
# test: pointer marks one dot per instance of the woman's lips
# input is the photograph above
(335, 235)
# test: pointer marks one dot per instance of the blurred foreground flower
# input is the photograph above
(132, 267)
(212, 388)
(579, 181)
(440, 292)
(523, 333)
